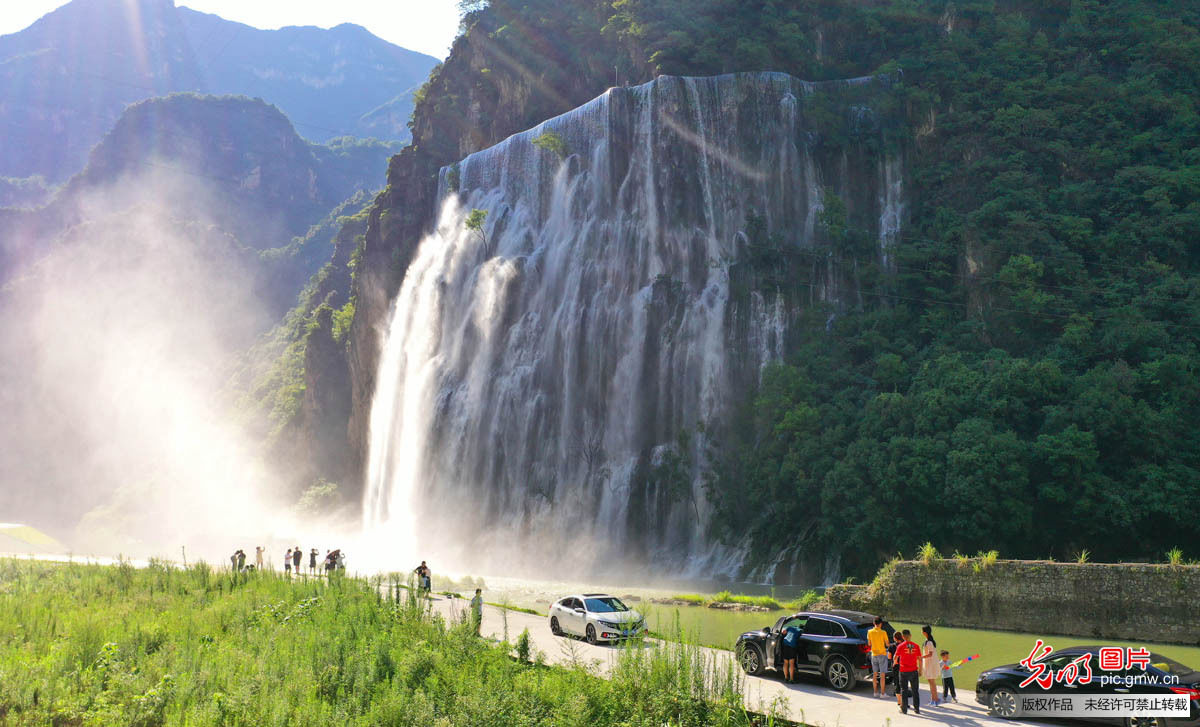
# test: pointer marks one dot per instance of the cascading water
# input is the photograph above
(537, 370)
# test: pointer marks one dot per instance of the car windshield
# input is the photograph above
(608, 604)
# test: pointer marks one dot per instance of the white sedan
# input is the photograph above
(596, 617)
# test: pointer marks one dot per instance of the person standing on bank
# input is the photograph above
(878, 639)
(297, 556)
(312, 561)
(258, 557)
(287, 562)
(477, 610)
(908, 658)
(930, 669)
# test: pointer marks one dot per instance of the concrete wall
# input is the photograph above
(1106, 601)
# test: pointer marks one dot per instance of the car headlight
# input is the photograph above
(609, 625)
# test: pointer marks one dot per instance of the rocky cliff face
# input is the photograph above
(548, 377)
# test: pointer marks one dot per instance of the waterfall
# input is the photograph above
(891, 205)
(535, 371)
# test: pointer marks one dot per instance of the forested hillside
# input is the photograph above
(1024, 375)
(1027, 379)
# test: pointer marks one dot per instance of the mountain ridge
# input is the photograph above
(66, 85)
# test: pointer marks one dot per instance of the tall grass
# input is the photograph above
(983, 560)
(696, 685)
(115, 645)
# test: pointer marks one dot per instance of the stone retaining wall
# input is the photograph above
(1107, 601)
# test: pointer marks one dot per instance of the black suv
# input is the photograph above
(1000, 690)
(832, 644)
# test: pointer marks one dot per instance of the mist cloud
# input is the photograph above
(116, 346)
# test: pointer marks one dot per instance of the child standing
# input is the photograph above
(948, 693)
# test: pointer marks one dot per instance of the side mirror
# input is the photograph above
(580, 611)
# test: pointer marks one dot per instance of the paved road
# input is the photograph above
(812, 702)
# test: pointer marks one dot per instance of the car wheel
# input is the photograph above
(1142, 722)
(751, 659)
(1004, 703)
(554, 627)
(591, 634)
(839, 673)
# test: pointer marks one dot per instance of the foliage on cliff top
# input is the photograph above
(165, 646)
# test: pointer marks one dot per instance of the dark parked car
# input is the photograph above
(999, 688)
(833, 644)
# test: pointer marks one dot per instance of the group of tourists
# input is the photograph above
(333, 560)
(238, 561)
(292, 561)
(908, 663)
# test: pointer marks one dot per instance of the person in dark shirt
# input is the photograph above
(312, 561)
(897, 639)
(908, 658)
(297, 556)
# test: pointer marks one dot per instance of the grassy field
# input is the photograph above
(117, 645)
(713, 627)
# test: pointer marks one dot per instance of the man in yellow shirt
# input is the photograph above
(878, 639)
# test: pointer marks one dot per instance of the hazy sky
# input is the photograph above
(423, 25)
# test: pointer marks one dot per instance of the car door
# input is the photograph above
(1077, 689)
(815, 643)
(773, 644)
(575, 617)
(562, 612)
